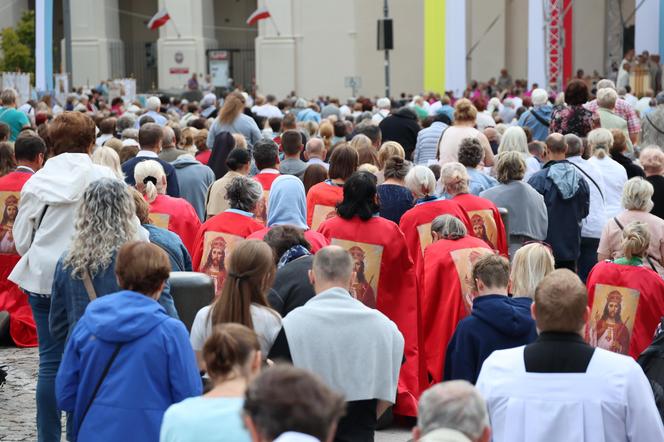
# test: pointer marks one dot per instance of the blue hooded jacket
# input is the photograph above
(567, 198)
(496, 322)
(154, 368)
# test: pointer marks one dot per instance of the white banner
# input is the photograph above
(19, 82)
(536, 44)
(646, 27)
(455, 46)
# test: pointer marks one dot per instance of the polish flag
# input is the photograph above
(158, 20)
(259, 14)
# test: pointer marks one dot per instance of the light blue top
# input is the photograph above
(479, 182)
(201, 419)
(287, 204)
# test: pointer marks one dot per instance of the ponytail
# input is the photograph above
(636, 240)
(228, 350)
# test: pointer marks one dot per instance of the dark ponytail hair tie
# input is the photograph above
(237, 276)
(150, 179)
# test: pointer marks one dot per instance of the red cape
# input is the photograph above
(266, 179)
(220, 232)
(322, 200)
(640, 294)
(447, 295)
(317, 240)
(178, 216)
(385, 279)
(416, 224)
(485, 219)
(22, 325)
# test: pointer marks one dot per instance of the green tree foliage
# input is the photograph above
(18, 45)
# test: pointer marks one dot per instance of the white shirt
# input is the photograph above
(380, 115)
(47, 209)
(611, 402)
(615, 177)
(268, 111)
(318, 161)
(532, 167)
(267, 324)
(592, 225)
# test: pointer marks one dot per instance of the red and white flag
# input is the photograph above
(158, 20)
(259, 14)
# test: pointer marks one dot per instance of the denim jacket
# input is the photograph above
(69, 297)
(173, 246)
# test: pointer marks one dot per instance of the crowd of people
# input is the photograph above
(487, 267)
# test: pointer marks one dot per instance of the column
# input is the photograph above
(183, 41)
(97, 51)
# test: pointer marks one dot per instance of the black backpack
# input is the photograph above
(652, 362)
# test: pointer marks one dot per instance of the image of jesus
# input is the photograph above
(361, 288)
(610, 331)
(214, 265)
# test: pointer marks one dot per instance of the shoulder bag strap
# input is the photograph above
(591, 179)
(39, 221)
(539, 118)
(89, 288)
(648, 257)
(653, 125)
(101, 379)
(438, 143)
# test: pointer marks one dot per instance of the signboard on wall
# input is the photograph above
(219, 67)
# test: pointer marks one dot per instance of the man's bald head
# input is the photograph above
(561, 303)
(556, 143)
(332, 267)
(315, 148)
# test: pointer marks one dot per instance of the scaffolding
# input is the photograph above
(554, 41)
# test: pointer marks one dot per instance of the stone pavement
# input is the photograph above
(17, 399)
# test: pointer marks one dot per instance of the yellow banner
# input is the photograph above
(434, 46)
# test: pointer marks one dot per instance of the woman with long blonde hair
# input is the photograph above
(232, 119)
(530, 265)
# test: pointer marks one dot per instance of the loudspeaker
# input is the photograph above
(385, 40)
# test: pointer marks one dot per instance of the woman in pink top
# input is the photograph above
(464, 127)
(637, 201)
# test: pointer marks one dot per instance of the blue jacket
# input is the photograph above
(540, 131)
(154, 368)
(69, 297)
(567, 198)
(495, 323)
(172, 245)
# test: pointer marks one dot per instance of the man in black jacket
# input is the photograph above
(401, 126)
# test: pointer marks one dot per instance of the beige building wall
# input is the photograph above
(589, 35)
(516, 38)
(488, 58)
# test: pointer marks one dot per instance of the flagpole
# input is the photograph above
(275, 25)
(175, 28)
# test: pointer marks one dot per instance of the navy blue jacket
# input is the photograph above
(172, 187)
(496, 322)
(567, 198)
